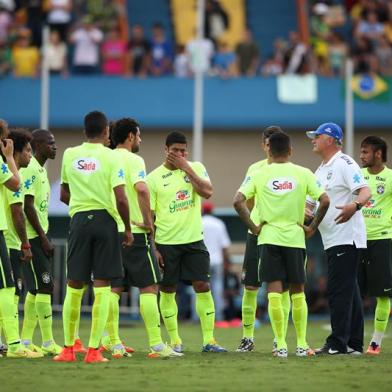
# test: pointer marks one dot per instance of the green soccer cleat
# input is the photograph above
(177, 347)
(165, 352)
(120, 352)
(53, 349)
(23, 352)
(32, 347)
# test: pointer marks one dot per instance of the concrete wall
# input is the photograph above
(226, 155)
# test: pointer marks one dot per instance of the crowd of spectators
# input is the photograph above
(86, 38)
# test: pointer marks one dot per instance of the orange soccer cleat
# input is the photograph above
(78, 347)
(67, 355)
(94, 355)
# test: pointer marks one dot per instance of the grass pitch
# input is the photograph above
(257, 371)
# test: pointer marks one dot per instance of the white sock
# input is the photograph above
(377, 337)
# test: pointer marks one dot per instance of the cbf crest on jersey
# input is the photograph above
(380, 189)
(282, 185)
(86, 166)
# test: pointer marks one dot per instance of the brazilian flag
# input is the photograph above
(371, 87)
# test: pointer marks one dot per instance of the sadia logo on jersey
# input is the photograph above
(282, 185)
(182, 195)
(86, 165)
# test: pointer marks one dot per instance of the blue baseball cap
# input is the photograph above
(330, 129)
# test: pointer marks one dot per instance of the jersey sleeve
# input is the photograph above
(64, 176)
(200, 170)
(5, 172)
(353, 175)
(248, 188)
(314, 188)
(153, 192)
(117, 174)
(138, 171)
(29, 181)
(14, 197)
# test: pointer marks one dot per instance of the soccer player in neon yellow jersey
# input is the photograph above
(9, 179)
(38, 273)
(281, 194)
(139, 261)
(176, 188)
(250, 273)
(375, 273)
(93, 185)
(16, 235)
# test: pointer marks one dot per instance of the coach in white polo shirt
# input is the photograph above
(344, 235)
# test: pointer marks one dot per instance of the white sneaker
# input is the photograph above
(282, 353)
(304, 352)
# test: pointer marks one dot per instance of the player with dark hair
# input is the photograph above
(139, 261)
(16, 235)
(92, 184)
(9, 180)
(38, 274)
(375, 271)
(281, 194)
(250, 274)
(176, 188)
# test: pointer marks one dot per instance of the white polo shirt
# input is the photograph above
(216, 238)
(341, 177)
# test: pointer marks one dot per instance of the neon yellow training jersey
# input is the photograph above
(5, 175)
(378, 210)
(11, 236)
(135, 171)
(254, 214)
(36, 183)
(281, 196)
(92, 171)
(176, 204)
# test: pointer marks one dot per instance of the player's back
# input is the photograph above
(92, 171)
(281, 195)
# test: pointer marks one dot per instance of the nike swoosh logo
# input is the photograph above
(166, 184)
(247, 325)
(388, 289)
(332, 352)
(166, 317)
(340, 254)
(209, 313)
(379, 320)
(46, 317)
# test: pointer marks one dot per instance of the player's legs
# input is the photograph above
(168, 286)
(377, 263)
(7, 307)
(41, 268)
(295, 261)
(272, 270)
(250, 273)
(195, 268)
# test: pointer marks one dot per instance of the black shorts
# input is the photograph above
(6, 278)
(140, 264)
(282, 263)
(94, 251)
(16, 265)
(250, 268)
(38, 273)
(186, 262)
(375, 270)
